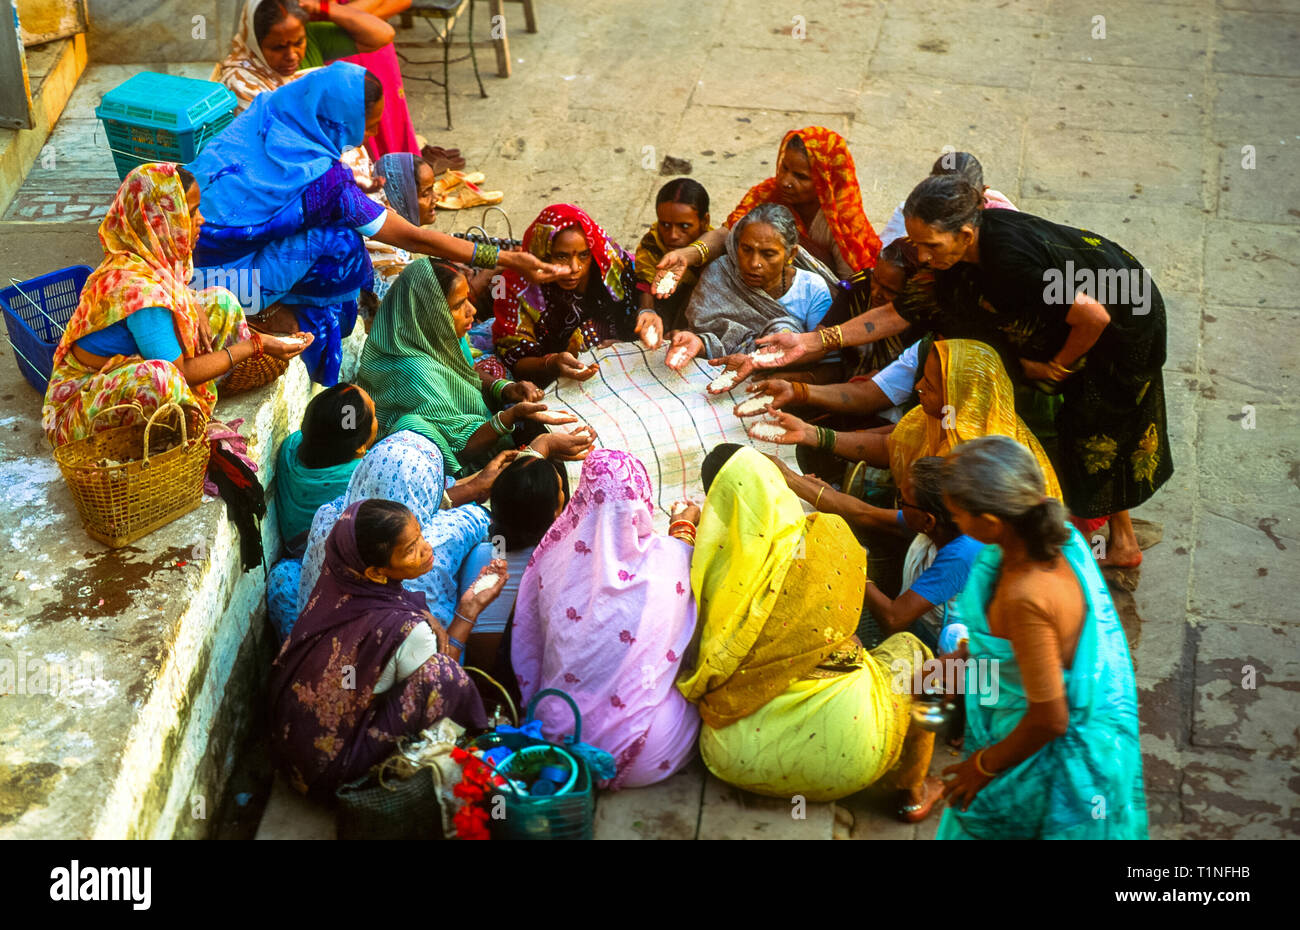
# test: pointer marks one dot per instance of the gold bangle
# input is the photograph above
(820, 492)
(979, 767)
(702, 249)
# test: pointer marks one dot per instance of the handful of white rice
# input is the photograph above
(723, 382)
(651, 337)
(766, 357)
(677, 358)
(666, 284)
(767, 431)
(484, 583)
(754, 405)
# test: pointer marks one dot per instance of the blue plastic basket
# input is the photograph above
(36, 314)
(163, 117)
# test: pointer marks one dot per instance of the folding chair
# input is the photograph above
(443, 15)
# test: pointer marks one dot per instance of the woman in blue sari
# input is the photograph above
(1051, 704)
(286, 220)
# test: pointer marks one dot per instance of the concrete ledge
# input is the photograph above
(128, 678)
(19, 148)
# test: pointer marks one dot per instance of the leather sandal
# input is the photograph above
(452, 178)
(468, 195)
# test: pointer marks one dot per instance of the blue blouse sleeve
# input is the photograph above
(154, 333)
(334, 199)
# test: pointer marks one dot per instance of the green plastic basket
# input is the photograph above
(568, 816)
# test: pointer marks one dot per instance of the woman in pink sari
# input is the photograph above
(396, 133)
(605, 613)
(278, 39)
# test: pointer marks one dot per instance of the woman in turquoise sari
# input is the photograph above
(1051, 704)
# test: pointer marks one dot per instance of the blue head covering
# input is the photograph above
(400, 187)
(284, 140)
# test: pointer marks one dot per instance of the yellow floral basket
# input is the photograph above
(130, 480)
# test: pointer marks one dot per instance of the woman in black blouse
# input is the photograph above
(1070, 311)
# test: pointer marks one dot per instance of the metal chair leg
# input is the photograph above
(473, 55)
(446, 80)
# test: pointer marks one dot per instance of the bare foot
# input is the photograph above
(1125, 557)
(917, 803)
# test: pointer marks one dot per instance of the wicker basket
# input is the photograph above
(122, 502)
(252, 373)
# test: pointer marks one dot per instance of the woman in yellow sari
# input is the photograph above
(792, 703)
(964, 393)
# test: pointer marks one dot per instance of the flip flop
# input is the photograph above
(468, 195)
(915, 813)
(452, 178)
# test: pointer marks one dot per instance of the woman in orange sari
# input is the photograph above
(815, 178)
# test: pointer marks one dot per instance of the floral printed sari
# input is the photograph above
(147, 243)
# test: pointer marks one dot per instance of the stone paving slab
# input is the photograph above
(1267, 192)
(818, 26)
(1240, 564)
(1250, 107)
(1251, 264)
(669, 810)
(1233, 333)
(1070, 95)
(1247, 677)
(1137, 33)
(939, 43)
(731, 814)
(1256, 43)
(1153, 167)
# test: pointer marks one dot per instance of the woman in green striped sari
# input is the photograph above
(417, 367)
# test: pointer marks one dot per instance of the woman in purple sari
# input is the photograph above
(367, 663)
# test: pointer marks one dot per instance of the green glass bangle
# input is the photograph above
(499, 388)
(499, 425)
(485, 255)
(825, 439)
